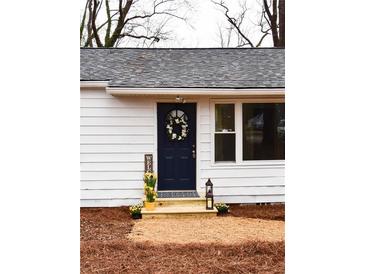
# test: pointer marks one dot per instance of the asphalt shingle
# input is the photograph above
(185, 68)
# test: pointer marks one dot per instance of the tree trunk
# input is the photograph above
(123, 11)
(274, 24)
(89, 41)
(282, 23)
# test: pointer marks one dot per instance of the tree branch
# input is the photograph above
(262, 39)
(157, 39)
(273, 21)
(267, 10)
(282, 22)
(82, 25)
(89, 27)
(123, 11)
(155, 12)
(109, 22)
(232, 21)
(117, 25)
(95, 31)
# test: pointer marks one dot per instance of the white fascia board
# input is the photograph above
(93, 84)
(193, 91)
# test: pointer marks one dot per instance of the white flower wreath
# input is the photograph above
(171, 123)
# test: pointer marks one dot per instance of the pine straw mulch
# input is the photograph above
(104, 248)
(265, 212)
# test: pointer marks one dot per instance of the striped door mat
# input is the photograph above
(178, 194)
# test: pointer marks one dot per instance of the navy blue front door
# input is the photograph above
(176, 158)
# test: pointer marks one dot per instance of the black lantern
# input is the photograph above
(209, 194)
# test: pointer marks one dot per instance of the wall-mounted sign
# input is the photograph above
(148, 163)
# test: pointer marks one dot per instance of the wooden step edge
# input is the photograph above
(180, 215)
(178, 211)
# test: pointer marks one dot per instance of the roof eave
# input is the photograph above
(93, 84)
(194, 91)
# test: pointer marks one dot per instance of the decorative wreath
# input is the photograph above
(177, 128)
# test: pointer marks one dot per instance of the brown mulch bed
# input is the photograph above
(100, 224)
(266, 212)
(104, 248)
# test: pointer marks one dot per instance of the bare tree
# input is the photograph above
(129, 20)
(271, 21)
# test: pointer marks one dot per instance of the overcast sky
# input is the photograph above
(204, 20)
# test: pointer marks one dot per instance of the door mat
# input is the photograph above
(178, 194)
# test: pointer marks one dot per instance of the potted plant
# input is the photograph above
(222, 209)
(149, 190)
(135, 211)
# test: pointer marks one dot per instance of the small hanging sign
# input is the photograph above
(148, 163)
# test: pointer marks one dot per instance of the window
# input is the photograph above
(225, 136)
(263, 131)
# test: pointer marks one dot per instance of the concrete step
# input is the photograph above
(178, 212)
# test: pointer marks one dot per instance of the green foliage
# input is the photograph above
(135, 209)
(151, 194)
(222, 208)
(150, 180)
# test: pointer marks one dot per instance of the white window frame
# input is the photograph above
(239, 131)
(228, 132)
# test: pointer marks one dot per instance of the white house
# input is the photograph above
(202, 113)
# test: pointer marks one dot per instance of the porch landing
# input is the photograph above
(182, 206)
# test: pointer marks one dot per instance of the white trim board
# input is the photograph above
(93, 84)
(194, 91)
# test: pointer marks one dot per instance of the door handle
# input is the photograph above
(193, 152)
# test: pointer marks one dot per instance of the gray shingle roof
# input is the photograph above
(188, 68)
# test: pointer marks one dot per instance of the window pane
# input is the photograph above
(263, 131)
(225, 147)
(224, 117)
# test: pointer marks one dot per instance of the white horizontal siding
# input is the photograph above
(246, 191)
(204, 155)
(115, 133)
(102, 184)
(204, 128)
(117, 121)
(95, 94)
(115, 112)
(242, 172)
(241, 199)
(107, 202)
(105, 166)
(204, 119)
(124, 102)
(115, 130)
(117, 148)
(204, 137)
(245, 182)
(102, 139)
(111, 175)
(111, 157)
(111, 193)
